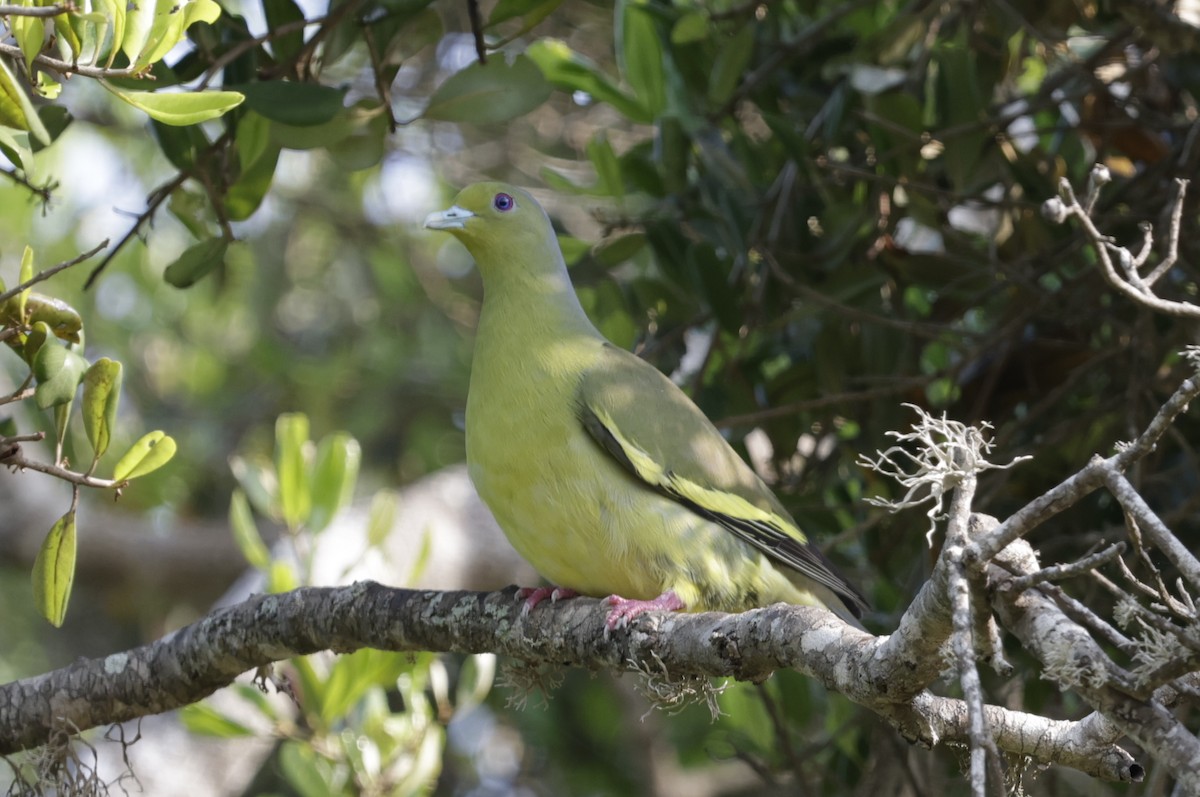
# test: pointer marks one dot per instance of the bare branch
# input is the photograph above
(1132, 284)
(11, 457)
(50, 272)
(34, 11)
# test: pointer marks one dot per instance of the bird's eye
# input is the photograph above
(504, 203)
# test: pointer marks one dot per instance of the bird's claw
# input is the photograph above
(624, 611)
(535, 595)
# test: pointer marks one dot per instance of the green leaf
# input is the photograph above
(615, 251)
(511, 9)
(16, 110)
(691, 27)
(258, 481)
(489, 93)
(101, 394)
(245, 532)
(115, 10)
(181, 108)
(61, 318)
(196, 262)
(24, 276)
(30, 33)
(304, 771)
(381, 518)
(181, 144)
(253, 137)
(139, 18)
(56, 119)
(570, 71)
(280, 13)
(608, 168)
(334, 475)
(54, 570)
(58, 371)
(292, 103)
(171, 20)
(281, 577)
(640, 54)
(38, 334)
(204, 720)
(251, 186)
(366, 146)
(301, 137)
(193, 209)
(147, 455)
(291, 467)
(732, 60)
(16, 146)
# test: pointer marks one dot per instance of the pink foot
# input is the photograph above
(535, 595)
(624, 610)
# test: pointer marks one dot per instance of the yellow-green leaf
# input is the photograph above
(26, 275)
(146, 456)
(16, 110)
(381, 518)
(245, 531)
(291, 467)
(101, 394)
(181, 108)
(203, 719)
(334, 475)
(30, 33)
(54, 570)
(169, 25)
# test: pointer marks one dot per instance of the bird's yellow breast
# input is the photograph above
(535, 467)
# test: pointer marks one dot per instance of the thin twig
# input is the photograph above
(1069, 570)
(154, 200)
(67, 68)
(477, 30)
(50, 272)
(43, 192)
(15, 460)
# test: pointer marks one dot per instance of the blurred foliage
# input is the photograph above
(808, 211)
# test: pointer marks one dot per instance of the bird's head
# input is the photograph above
(486, 214)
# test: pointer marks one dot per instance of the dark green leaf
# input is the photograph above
(58, 371)
(639, 51)
(196, 262)
(297, 104)
(279, 13)
(489, 93)
(732, 60)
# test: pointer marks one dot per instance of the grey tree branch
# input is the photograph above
(200, 658)
(1075, 661)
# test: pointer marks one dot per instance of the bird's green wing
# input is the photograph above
(640, 418)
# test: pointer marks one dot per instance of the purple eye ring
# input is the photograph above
(504, 203)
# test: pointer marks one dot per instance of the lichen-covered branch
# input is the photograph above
(195, 661)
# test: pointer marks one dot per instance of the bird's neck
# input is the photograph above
(527, 294)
